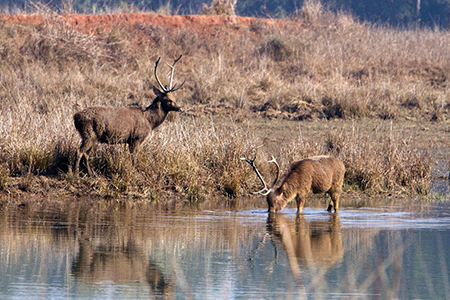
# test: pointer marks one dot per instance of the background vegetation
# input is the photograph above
(330, 68)
(428, 13)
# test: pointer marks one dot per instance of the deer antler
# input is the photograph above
(177, 87)
(156, 76)
(265, 191)
(172, 67)
(273, 160)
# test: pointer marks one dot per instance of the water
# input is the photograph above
(122, 251)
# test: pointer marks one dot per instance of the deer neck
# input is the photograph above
(155, 115)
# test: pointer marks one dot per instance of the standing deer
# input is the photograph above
(131, 125)
(320, 174)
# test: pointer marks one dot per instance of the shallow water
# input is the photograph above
(122, 252)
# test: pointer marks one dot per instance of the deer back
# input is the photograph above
(316, 174)
(112, 124)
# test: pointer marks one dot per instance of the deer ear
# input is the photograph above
(157, 92)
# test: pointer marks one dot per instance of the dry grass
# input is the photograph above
(220, 7)
(332, 67)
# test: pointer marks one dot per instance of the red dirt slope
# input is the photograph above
(195, 22)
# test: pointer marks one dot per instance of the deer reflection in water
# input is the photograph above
(316, 245)
(99, 262)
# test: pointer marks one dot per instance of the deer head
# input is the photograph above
(269, 192)
(164, 94)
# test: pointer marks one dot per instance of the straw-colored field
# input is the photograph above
(375, 97)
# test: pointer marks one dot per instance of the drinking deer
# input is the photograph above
(320, 174)
(131, 125)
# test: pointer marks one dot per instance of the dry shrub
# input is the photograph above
(220, 7)
(381, 162)
(34, 160)
(63, 156)
(311, 12)
(277, 49)
(4, 176)
(50, 159)
(58, 41)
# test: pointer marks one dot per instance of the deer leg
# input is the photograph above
(86, 156)
(77, 162)
(300, 203)
(85, 149)
(334, 201)
(134, 150)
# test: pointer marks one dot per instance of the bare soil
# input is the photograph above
(199, 23)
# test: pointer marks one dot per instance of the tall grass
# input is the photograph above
(331, 67)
